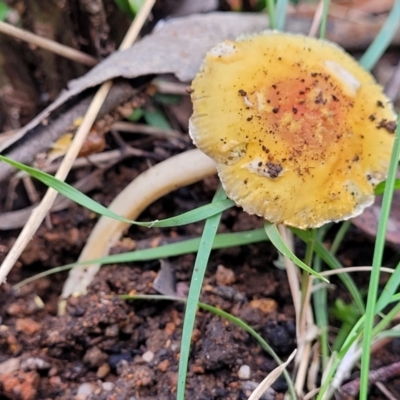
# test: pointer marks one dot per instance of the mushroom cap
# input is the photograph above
(299, 132)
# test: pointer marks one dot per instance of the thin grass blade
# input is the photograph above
(382, 39)
(377, 262)
(276, 239)
(75, 195)
(209, 232)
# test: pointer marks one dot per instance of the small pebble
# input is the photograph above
(244, 372)
(94, 357)
(115, 359)
(108, 386)
(148, 356)
(27, 325)
(224, 276)
(112, 330)
(163, 365)
(20, 385)
(266, 305)
(103, 371)
(10, 365)
(85, 389)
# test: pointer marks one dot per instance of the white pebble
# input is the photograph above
(244, 372)
(148, 356)
(85, 389)
(108, 386)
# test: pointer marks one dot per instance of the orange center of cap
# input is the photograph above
(306, 113)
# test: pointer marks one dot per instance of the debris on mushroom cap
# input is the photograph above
(299, 132)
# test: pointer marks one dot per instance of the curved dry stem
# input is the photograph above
(181, 170)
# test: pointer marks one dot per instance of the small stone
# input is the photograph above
(197, 369)
(10, 365)
(34, 363)
(27, 325)
(85, 390)
(143, 376)
(148, 356)
(14, 309)
(224, 276)
(55, 381)
(163, 365)
(103, 371)
(112, 330)
(196, 335)
(170, 328)
(94, 357)
(266, 305)
(108, 386)
(244, 372)
(20, 385)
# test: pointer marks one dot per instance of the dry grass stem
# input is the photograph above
(167, 87)
(317, 19)
(355, 269)
(146, 129)
(47, 44)
(385, 391)
(270, 379)
(303, 341)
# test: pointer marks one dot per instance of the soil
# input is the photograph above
(106, 348)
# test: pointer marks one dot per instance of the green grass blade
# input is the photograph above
(389, 290)
(209, 232)
(196, 215)
(386, 320)
(4, 11)
(280, 14)
(382, 39)
(270, 4)
(75, 195)
(380, 188)
(376, 263)
(324, 19)
(341, 233)
(276, 239)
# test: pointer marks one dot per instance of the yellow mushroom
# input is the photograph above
(299, 132)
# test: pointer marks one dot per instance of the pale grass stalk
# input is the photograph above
(303, 340)
(30, 190)
(355, 269)
(131, 127)
(270, 379)
(40, 212)
(385, 391)
(301, 374)
(317, 19)
(312, 394)
(314, 368)
(47, 44)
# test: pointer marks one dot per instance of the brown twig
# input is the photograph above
(47, 44)
(379, 375)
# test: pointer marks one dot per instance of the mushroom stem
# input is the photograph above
(178, 171)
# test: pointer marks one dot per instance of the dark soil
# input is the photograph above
(107, 348)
